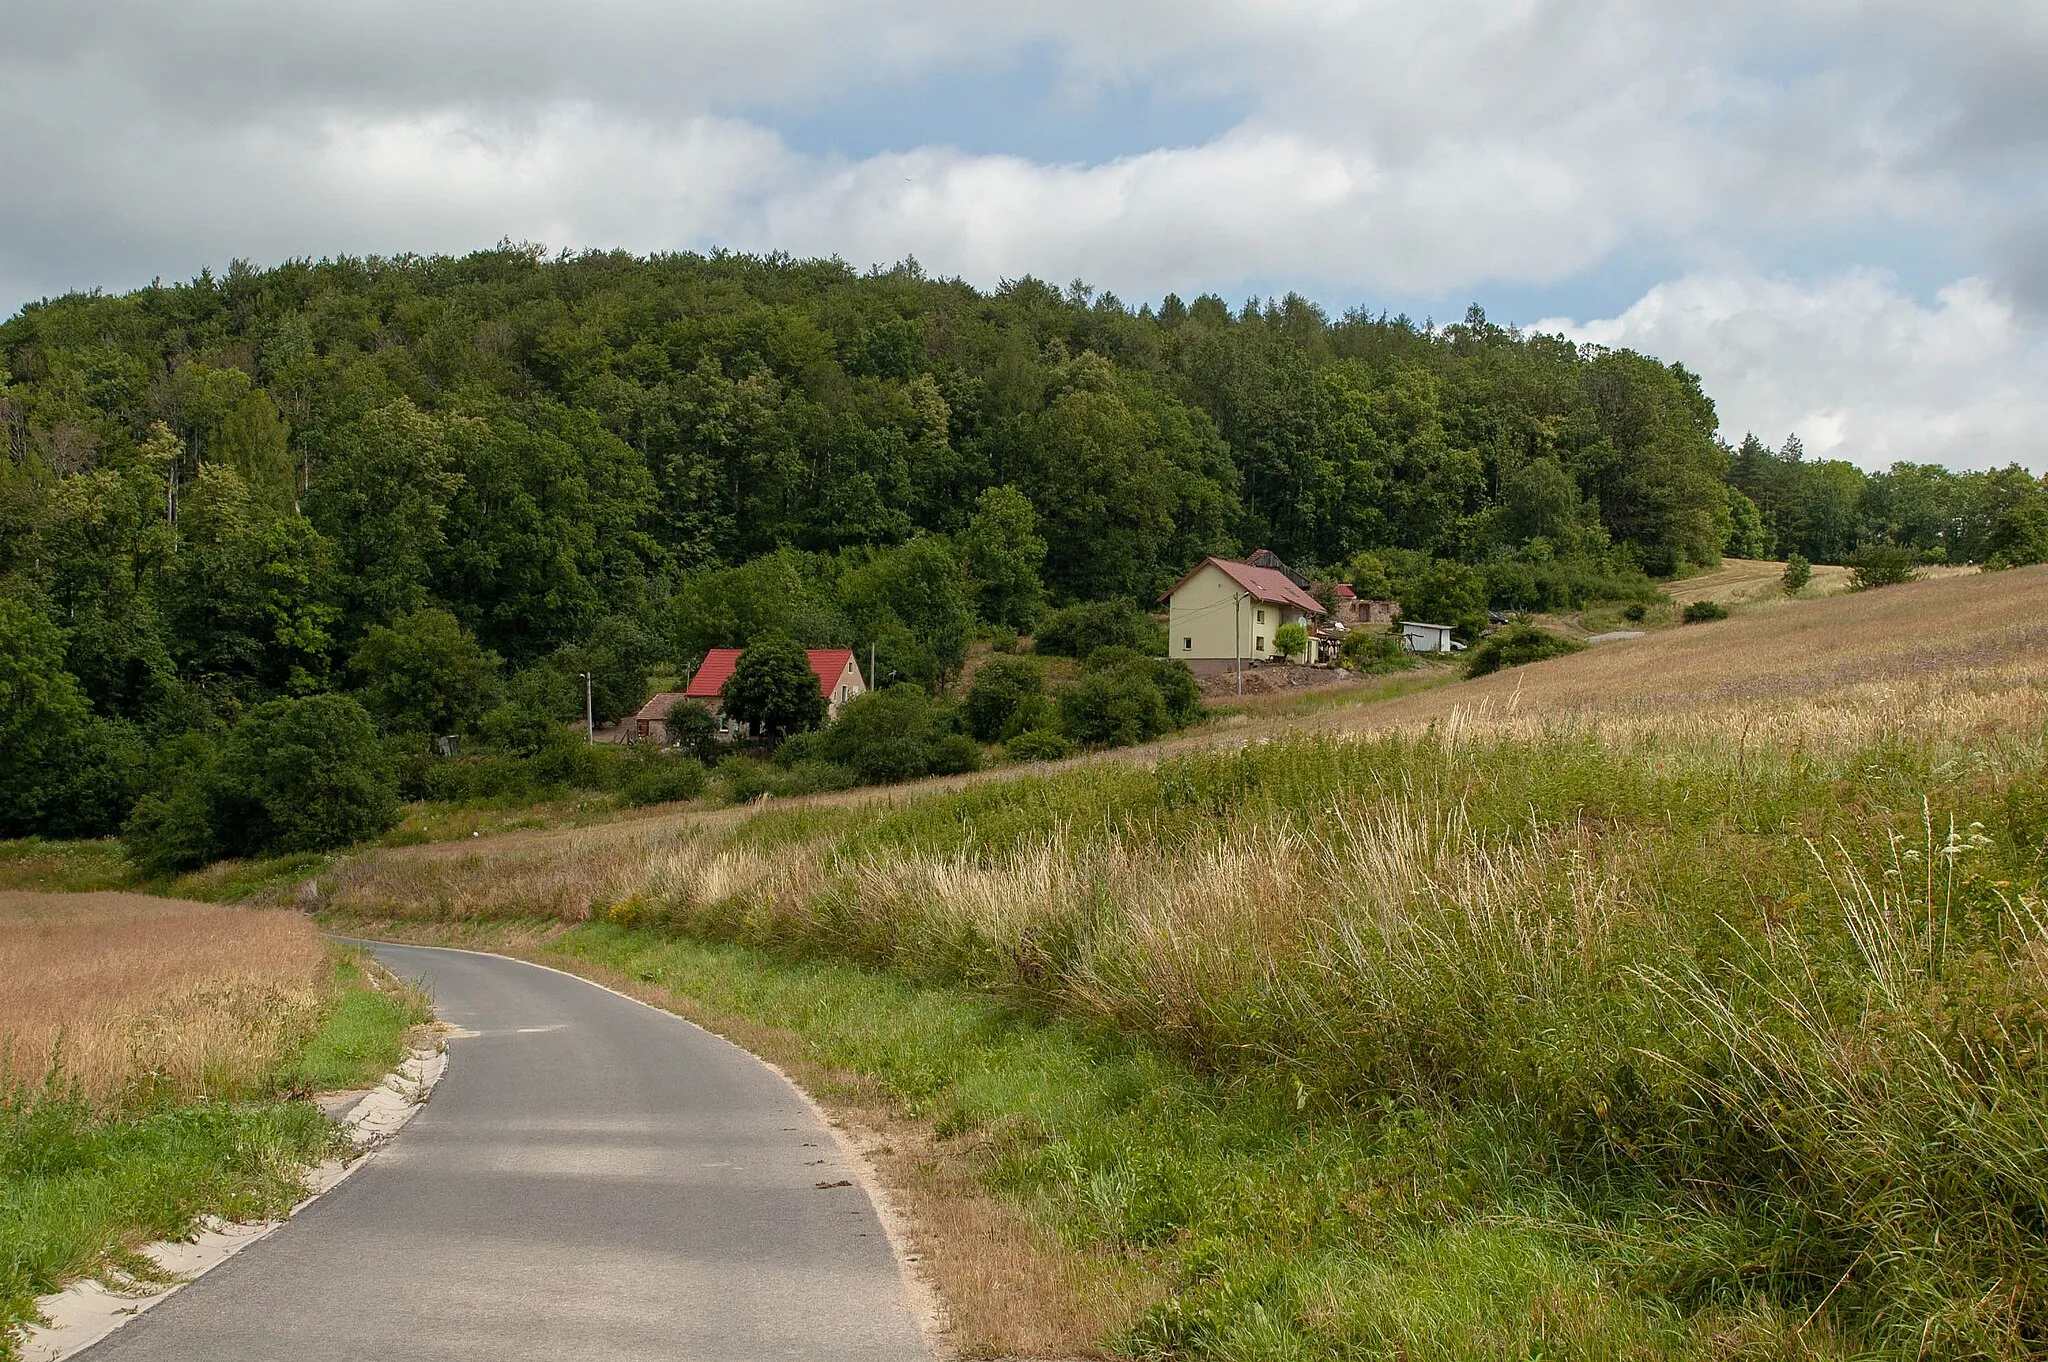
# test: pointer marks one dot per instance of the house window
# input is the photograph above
(1187, 645)
(1262, 620)
(1259, 644)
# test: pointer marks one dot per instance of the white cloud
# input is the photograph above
(1388, 150)
(1858, 370)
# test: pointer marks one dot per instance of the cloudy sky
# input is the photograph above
(1836, 211)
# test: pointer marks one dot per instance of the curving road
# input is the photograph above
(593, 1179)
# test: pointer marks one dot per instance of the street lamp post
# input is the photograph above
(589, 712)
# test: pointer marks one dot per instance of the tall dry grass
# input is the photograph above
(116, 993)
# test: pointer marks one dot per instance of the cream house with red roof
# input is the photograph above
(839, 680)
(1224, 610)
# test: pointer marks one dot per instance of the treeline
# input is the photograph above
(1826, 510)
(450, 490)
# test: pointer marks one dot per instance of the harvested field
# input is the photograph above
(114, 991)
(1741, 581)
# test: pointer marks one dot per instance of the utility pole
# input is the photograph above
(589, 713)
(871, 664)
(1237, 639)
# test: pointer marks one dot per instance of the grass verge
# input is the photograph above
(88, 1176)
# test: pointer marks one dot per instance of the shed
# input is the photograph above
(1429, 638)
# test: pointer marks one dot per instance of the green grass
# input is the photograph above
(81, 1188)
(1551, 1047)
(1388, 1232)
(59, 867)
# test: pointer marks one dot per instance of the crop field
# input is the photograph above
(1686, 997)
(106, 991)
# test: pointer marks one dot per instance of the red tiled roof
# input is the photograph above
(658, 706)
(1345, 593)
(1263, 584)
(829, 663)
(709, 682)
(711, 673)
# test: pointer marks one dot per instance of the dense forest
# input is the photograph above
(448, 489)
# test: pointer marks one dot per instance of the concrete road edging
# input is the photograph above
(87, 1311)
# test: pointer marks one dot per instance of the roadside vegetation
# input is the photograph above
(1705, 1019)
(154, 1058)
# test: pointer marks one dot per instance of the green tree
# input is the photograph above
(911, 602)
(774, 689)
(1798, 572)
(2021, 536)
(382, 496)
(42, 717)
(1876, 565)
(425, 674)
(1290, 640)
(1078, 630)
(1004, 554)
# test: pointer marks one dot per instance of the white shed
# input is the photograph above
(1428, 638)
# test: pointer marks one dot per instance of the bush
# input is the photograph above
(1876, 565)
(1375, 653)
(1003, 691)
(1798, 572)
(898, 734)
(426, 674)
(1039, 744)
(1702, 612)
(692, 731)
(1516, 645)
(1291, 639)
(661, 778)
(746, 779)
(1113, 708)
(293, 775)
(1079, 630)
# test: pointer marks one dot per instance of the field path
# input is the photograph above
(592, 1179)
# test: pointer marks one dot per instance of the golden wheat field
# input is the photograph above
(110, 990)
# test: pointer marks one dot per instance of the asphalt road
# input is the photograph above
(592, 1179)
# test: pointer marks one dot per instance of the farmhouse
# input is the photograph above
(1224, 610)
(839, 680)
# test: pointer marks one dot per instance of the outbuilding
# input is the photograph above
(1418, 637)
(839, 680)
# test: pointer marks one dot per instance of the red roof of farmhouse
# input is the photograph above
(709, 682)
(1263, 584)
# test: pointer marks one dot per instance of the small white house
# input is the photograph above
(1429, 638)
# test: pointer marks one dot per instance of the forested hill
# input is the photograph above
(218, 492)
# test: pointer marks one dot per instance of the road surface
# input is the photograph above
(592, 1179)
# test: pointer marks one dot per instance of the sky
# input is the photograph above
(1835, 212)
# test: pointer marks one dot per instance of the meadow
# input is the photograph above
(155, 1058)
(1681, 998)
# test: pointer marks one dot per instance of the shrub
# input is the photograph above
(898, 734)
(1291, 639)
(1636, 612)
(1798, 572)
(1516, 645)
(692, 731)
(1876, 565)
(1374, 653)
(1702, 612)
(661, 778)
(1079, 630)
(1113, 708)
(293, 775)
(1002, 689)
(1039, 744)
